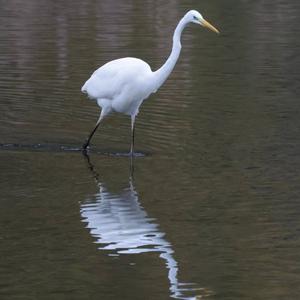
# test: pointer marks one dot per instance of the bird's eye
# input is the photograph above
(195, 18)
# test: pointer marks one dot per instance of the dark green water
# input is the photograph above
(212, 209)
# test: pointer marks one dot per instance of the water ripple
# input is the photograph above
(120, 225)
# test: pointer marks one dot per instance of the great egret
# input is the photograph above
(123, 84)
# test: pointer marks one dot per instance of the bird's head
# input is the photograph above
(194, 16)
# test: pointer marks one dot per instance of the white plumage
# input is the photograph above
(117, 85)
(122, 84)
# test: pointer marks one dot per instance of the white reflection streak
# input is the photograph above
(121, 225)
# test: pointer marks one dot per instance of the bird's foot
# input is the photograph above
(85, 147)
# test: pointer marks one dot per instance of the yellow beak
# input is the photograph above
(206, 24)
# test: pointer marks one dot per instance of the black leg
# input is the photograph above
(132, 136)
(86, 144)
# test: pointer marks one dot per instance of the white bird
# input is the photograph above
(123, 84)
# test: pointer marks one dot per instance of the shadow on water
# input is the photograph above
(121, 226)
(66, 148)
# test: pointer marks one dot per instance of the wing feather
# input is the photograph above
(109, 80)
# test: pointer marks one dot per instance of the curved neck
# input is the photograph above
(165, 70)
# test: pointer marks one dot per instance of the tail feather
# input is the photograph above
(83, 89)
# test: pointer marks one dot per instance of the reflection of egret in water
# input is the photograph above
(122, 226)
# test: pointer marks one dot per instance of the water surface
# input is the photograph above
(212, 209)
